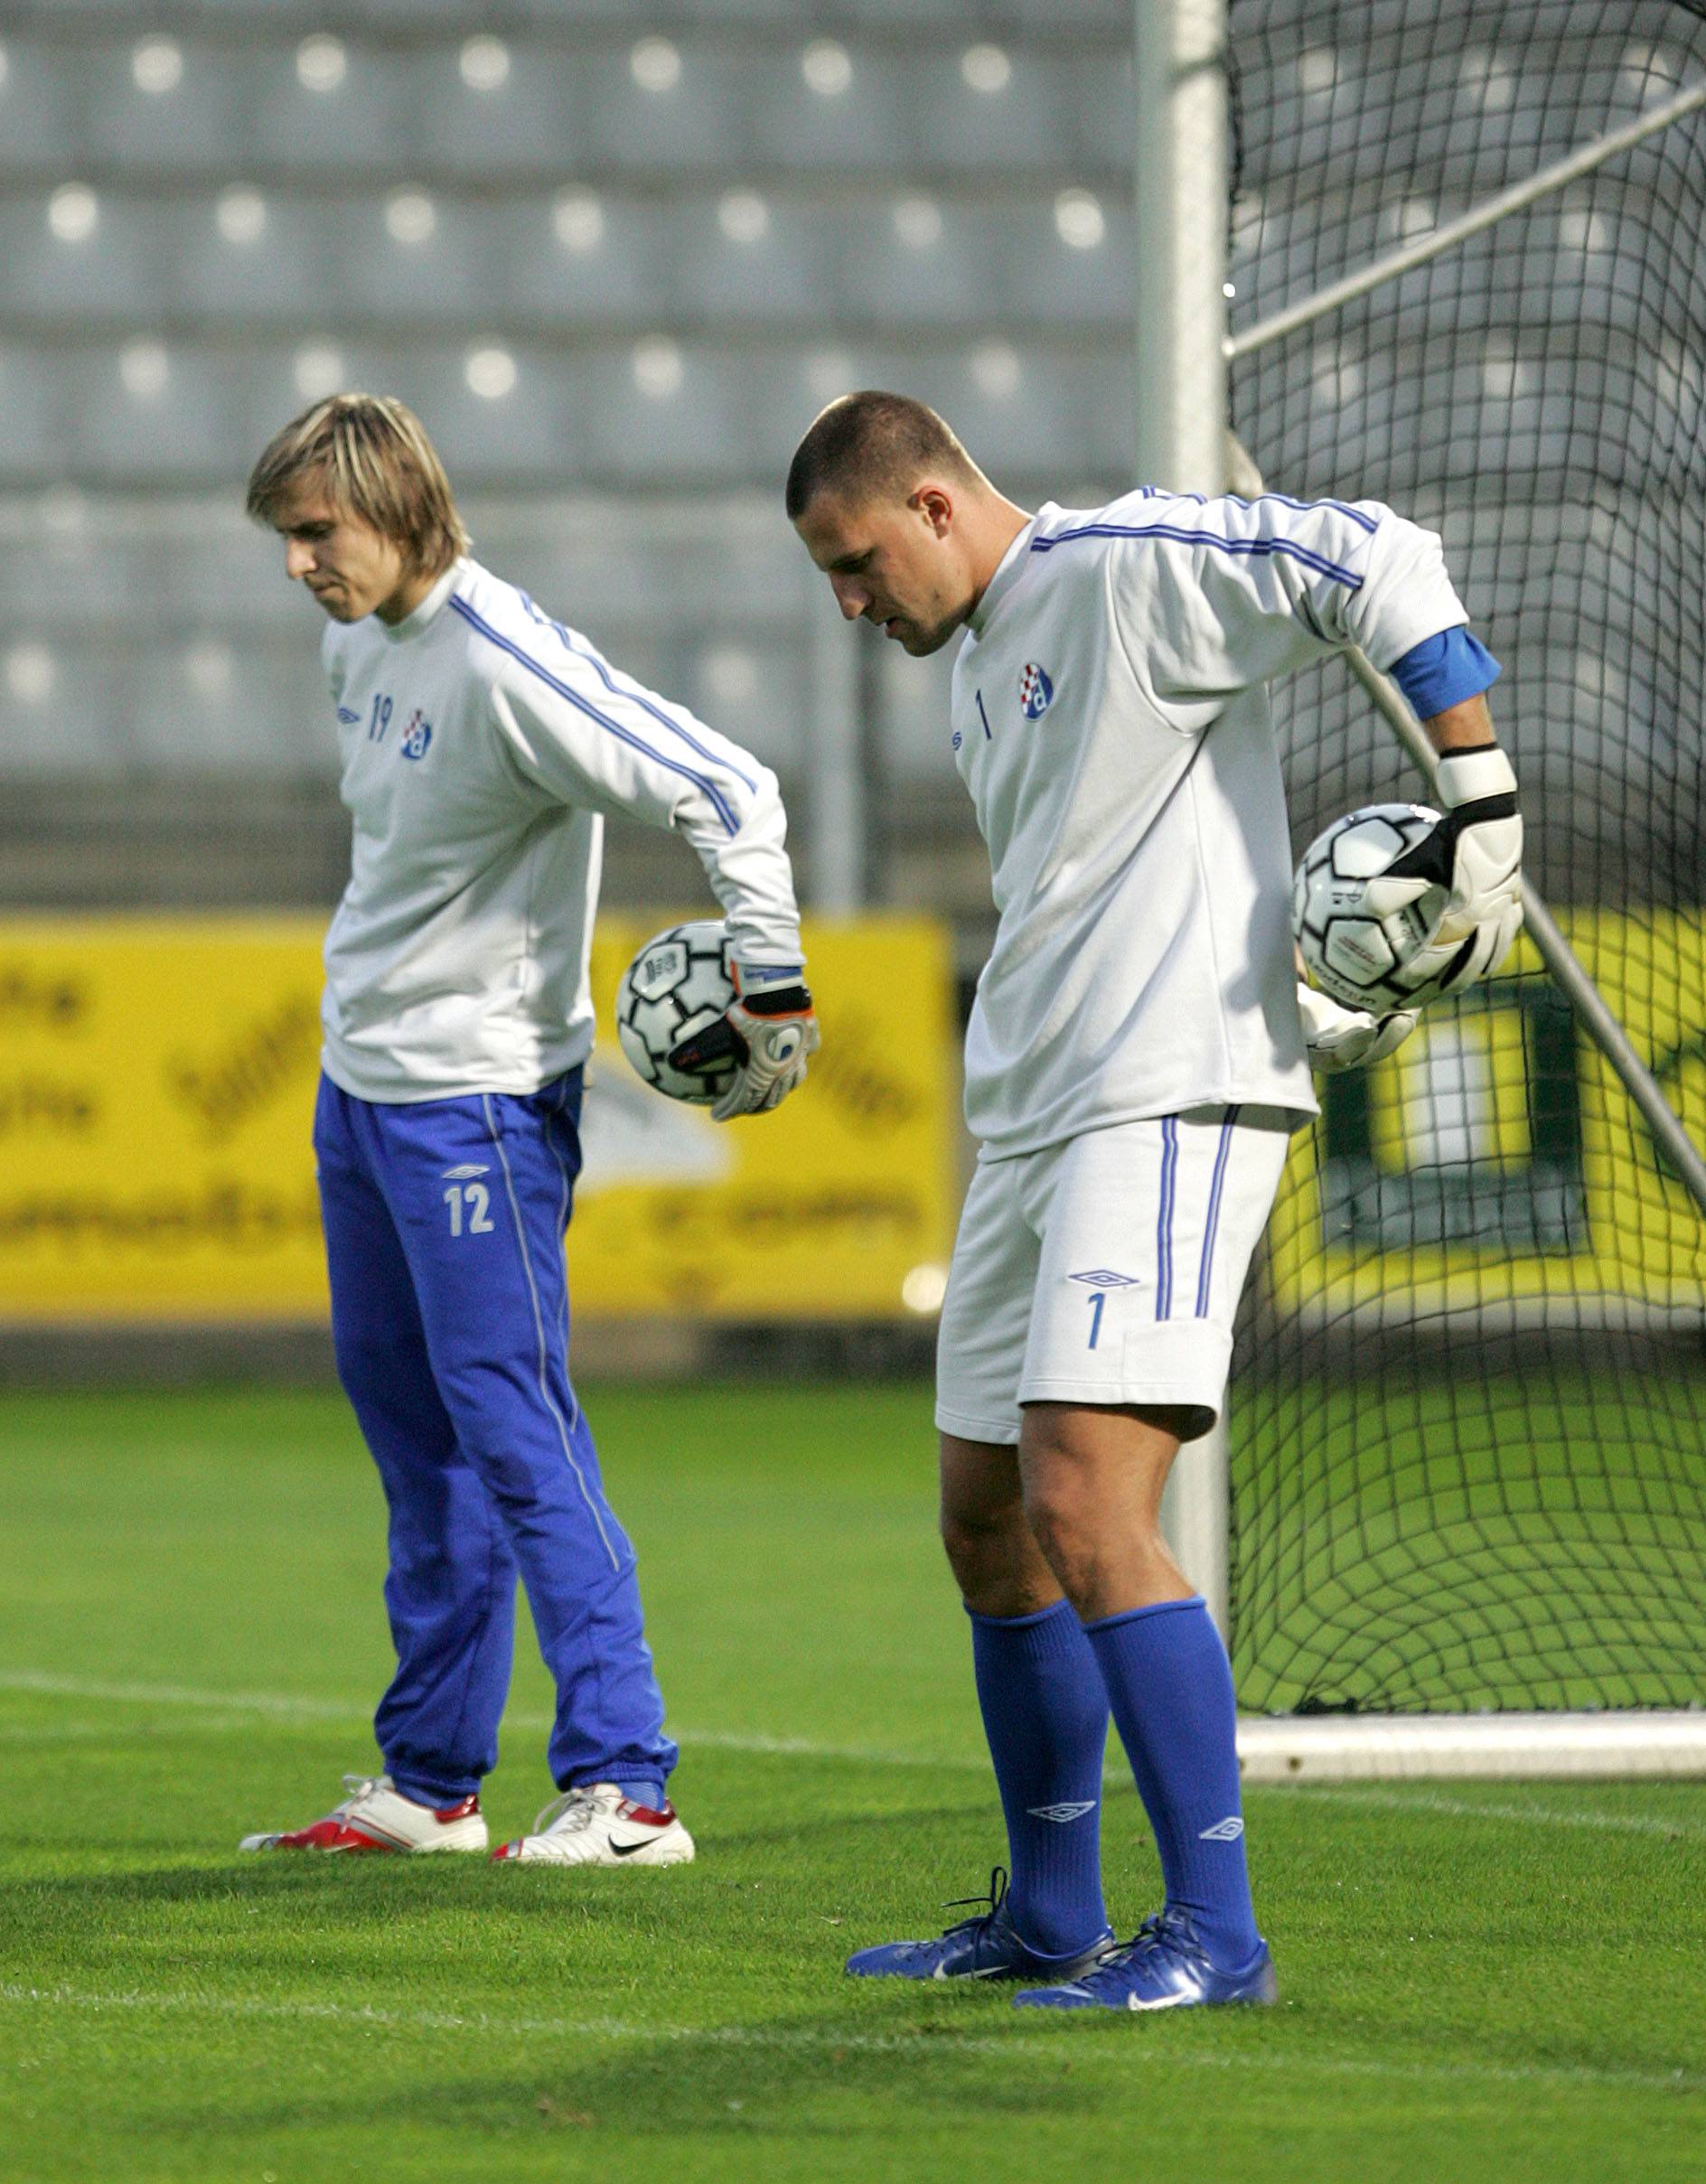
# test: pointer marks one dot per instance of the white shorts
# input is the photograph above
(1106, 1269)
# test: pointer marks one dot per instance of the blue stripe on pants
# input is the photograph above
(443, 1228)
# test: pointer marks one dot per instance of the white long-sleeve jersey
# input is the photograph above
(1110, 718)
(481, 745)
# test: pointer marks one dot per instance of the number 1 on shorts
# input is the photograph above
(1096, 1303)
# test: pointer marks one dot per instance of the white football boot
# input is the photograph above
(596, 1825)
(375, 1816)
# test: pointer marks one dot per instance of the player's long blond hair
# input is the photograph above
(371, 454)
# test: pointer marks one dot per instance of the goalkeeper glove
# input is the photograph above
(768, 1032)
(1476, 853)
(1338, 1039)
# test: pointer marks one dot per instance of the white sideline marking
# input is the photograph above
(1169, 2057)
(285, 1707)
(1464, 1808)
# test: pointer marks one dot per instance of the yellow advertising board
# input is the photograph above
(1496, 1160)
(156, 1091)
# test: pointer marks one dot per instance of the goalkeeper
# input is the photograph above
(1135, 1057)
(481, 745)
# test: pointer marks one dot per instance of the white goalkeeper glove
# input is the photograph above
(1338, 1039)
(1476, 853)
(768, 1031)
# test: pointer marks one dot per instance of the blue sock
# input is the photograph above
(1046, 1715)
(647, 1791)
(1171, 1689)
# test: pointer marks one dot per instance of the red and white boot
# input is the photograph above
(596, 1825)
(375, 1816)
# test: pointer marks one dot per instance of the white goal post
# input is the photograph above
(1182, 439)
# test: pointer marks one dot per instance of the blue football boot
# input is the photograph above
(1166, 1967)
(983, 1947)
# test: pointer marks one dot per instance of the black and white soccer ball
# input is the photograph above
(676, 988)
(1367, 939)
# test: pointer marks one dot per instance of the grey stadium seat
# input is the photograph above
(527, 440)
(690, 438)
(187, 434)
(786, 274)
(1040, 280)
(114, 274)
(885, 280)
(445, 279)
(40, 112)
(79, 725)
(359, 127)
(785, 124)
(528, 125)
(621, 277)
(195, 124)
(35, 436)
(280, 278)
(696, 124)
(1021, 127)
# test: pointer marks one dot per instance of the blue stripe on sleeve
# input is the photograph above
(1293, 550)
(629, 688)
(1443, 670)
(636, 743)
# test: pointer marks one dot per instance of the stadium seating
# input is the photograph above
(606, 253)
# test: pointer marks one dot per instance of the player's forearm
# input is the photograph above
(1461, 728)
(752, 878)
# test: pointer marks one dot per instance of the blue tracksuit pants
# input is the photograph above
(445, 1226)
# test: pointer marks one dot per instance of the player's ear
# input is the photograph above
(934, 503)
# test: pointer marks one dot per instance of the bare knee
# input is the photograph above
(1092, 1485)
(996, 1562)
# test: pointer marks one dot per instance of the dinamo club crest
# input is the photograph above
(1035, 690)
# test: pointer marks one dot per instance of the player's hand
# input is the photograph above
(776, 1029)
(1476, 853)
(1339, 1038)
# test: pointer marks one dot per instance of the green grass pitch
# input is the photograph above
(1478, 1982)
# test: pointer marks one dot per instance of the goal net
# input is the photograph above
(1468, 1439)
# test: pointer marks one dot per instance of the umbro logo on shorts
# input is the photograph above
(1104, 1278)
(464, 1169)
(1223, 1831)
(1062, 1812)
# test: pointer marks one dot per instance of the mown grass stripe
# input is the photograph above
(849, 2037)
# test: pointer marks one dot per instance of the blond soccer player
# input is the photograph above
(481, 744)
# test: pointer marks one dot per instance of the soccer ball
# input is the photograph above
(677, 986)
(1362, 935)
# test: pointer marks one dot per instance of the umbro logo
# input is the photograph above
(465, 1168)
(348, 717)
(1061, 1813)
(1104, 1278)
(1223, 1831)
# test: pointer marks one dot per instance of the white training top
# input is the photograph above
(1111, 722)
(482, 742)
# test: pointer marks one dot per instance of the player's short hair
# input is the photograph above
(873, 445)
(371, 454)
